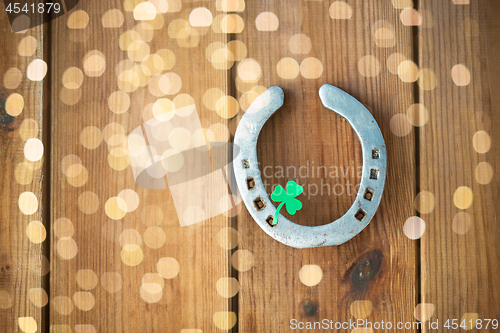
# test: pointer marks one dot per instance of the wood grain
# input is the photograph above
(23, 263)
(459, 269)
(190, 299)
(378, 265)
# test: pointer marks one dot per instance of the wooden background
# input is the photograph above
(74, 260)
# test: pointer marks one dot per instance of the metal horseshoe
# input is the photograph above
(258, 203)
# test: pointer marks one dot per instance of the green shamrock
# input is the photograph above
(287, 197)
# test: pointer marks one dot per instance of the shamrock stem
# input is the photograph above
(275, 220)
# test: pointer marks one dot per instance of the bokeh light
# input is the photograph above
(414, 227)
(408, 71)
(227, 287)
(36, 232)
(62, 305)
(462, 198)
(402, 4)
(84, 300)
(27, 324)
(154, 237)
(267, 21)
(424, 311)
(300, 44)
(36, 70)
(27, 46)
(460, 75)
(462, 222)
(481, 142)
(12, 78)
(112, 282)
(288, 68)
(469, 318)
(225, 320)
(228, 238)
(424, 202)
(393, 62)
(410, 17)
(63, 227)
(484, 173)
(168, 268)
(242, 260)
(94, 63)
(369, 66)
(66, 248)
(427, 79)
(340, 10)
(113, 18)
(79, 19)
(310, 275)
(28, 203)
(38, 297)
(5, 300)
(144, 11)
(200, 17)
(88, 202)
(400, 125)
(418, 115)
(72, 78)
(361, 309)
(131, 255)
(14, 104)
(311, 68)
(86, 279)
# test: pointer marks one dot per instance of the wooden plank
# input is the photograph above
(23, 225)
(105, 273)
(460, 252)
(374, 275)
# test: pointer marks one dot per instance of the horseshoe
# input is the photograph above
(258, 203)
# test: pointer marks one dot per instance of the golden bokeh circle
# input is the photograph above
(154, 237)
(424, 202)
(131, 255)
(369, 66)
(242, 260)
(424, 311)
(36, 232)
(361, 309)
(225, 320)
(463, 197)
(288, 68)
(168, 268)
(14, 104)
(12, 78)
(418, 115)
(311, 68)
(400, 125)
(481, 142)
(484, 173)
(66, 248)
(462, 222)
(86, 279)
(310, 275)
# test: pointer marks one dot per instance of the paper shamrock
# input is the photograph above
(287, 198)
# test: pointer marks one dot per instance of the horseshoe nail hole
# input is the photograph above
(246, 164)
(375, 154)
(373, 174)
(259, 203)
(269, 220)
(369, 194)
(250, 183)
(360, 215)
